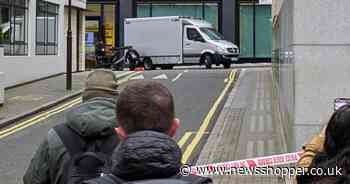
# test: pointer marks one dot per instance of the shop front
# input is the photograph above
(101, 26)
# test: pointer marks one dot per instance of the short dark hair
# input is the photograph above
(337, 135)
(145, 105)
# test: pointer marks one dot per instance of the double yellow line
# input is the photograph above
(202, 129)
(36, 119)
(47, 114)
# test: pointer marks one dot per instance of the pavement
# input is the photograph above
(245, 127)
(25, 100)
(195, 91)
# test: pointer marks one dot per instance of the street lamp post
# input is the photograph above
(69, 48)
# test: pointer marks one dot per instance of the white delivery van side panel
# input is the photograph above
(160, 39)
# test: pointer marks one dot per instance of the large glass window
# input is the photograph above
(46, 28)
(246, 31)
(263, 31)
(205, 11)
(13, 26)
(92, 30)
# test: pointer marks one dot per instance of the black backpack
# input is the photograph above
(111, 179)
(88, 158)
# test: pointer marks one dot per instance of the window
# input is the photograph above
(205, 11)
(13, 27)
(212, 34)
(46, 28)
(261, 47)
(192, 34)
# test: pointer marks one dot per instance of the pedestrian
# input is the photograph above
(88, 127)
(331, 146)
(147, 123)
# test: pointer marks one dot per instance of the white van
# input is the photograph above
(168, 41)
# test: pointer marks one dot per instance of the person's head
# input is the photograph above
(338, 132)
(100, 83)
(146, 105)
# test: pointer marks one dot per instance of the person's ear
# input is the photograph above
(174, 126)
(121, 133)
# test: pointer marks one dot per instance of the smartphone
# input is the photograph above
(340, 102)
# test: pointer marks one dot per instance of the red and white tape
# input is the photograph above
(273, 160)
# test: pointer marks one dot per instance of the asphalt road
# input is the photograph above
(195, 92)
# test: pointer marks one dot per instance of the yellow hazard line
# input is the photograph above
(184, 139)
(47, 114)
(202, 129)
(38, 118)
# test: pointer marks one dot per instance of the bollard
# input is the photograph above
(2, 88)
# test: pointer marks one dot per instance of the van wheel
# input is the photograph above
(208, 61)
(148, 65)
(227, 65)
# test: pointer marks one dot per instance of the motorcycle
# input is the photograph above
(130, 58)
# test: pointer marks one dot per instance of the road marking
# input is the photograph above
(250, 149)
(139, 77)
(260, 148)
(124, 74)
(162, 76)
(177, 77)
(184, 139)
(126, 79)
(202, 129)
(45, 115)
(186, 71)
(39, 118)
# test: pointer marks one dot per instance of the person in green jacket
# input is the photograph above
(90, 119)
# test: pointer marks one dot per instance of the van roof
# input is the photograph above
(187, 20)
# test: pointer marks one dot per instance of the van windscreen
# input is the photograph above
(212, 33)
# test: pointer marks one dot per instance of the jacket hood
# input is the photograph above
(147, 155)
(93, 118)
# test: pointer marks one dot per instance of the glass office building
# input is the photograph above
(252, 23)
(203, 10)
(255, 31)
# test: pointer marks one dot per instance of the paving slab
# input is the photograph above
(245, 127)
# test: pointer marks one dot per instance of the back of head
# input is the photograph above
(145, 105)
(100, 83)
(337, 132)
(336, 169)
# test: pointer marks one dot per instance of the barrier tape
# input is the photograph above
(273, 160)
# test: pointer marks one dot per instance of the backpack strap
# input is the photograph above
(71, 140)
(109, 144)
(73, 143)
